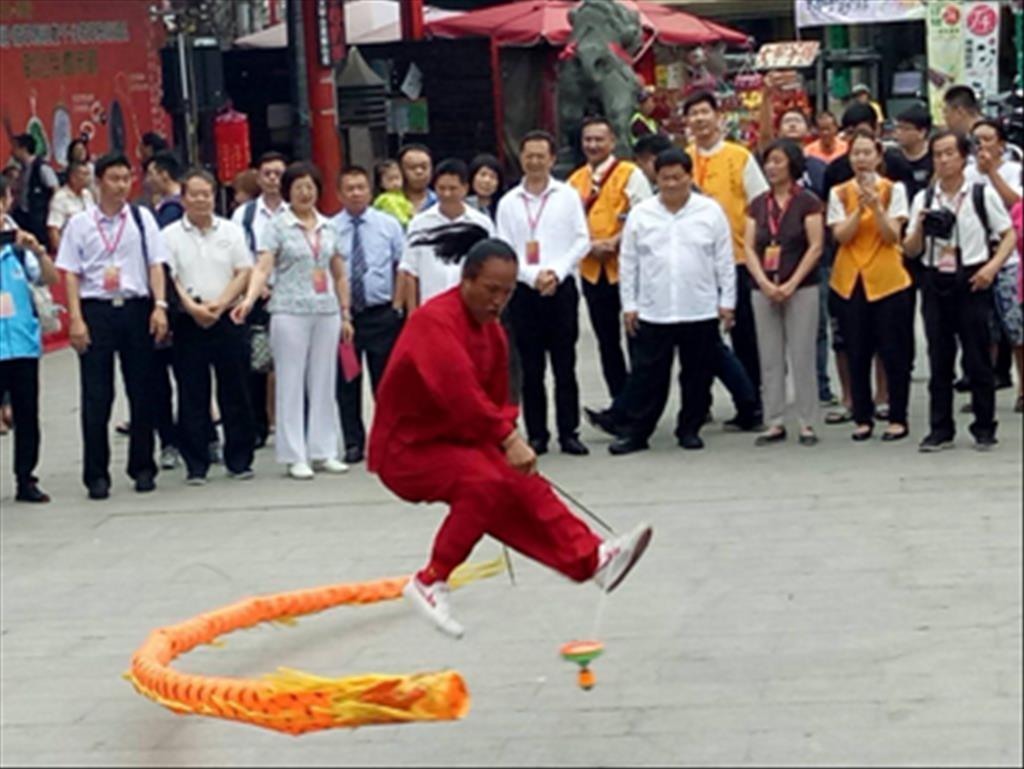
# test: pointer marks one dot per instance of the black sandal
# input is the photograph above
(862, 434)
(889, 435)
(839, 417)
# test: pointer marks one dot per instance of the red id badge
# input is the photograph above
(533, 252)
(112, 279)
(772, 257)
(320, 280)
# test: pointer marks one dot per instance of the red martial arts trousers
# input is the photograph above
(487, 496)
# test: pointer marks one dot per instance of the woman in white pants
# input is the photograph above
(784, 237)
(309, 313)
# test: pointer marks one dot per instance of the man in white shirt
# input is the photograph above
(69, 200)
(1003, 174)
(440, 236)
(544, 221)
(678, 281)
(210, 264)
(945, 231)
(253, 217)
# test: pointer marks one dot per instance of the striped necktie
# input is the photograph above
(358, 286)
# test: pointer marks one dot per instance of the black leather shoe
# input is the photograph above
(897, 435)
(539, 447)
(31, 493)
(691, 442)
(353, 455)
(861, 435)
(145, 482)
(604, 422)
(626, 445)
(574, 446)
(99, 489)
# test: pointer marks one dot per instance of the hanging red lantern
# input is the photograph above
(231, 139)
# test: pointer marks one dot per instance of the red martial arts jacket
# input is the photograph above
(446, 381)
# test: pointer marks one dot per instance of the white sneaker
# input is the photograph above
(169, 458)
(615, 557)
(330, 466)
(300, 471)
(432, 602)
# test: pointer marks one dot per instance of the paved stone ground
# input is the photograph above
(849, 604)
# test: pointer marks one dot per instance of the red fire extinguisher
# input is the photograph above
(231, 138)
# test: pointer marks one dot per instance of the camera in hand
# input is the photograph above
(939, 224)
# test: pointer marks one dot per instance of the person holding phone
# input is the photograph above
(871, 284)
(23, 261)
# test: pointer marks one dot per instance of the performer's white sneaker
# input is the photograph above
(330, 466)
(432, 602)
(615, 557)
(300, 471)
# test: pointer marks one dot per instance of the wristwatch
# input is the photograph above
(161, 304)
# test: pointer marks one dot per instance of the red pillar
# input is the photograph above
(412, 19)
(323, 111)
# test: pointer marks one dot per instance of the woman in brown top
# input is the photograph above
(783, 242)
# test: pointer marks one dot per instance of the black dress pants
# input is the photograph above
(125, 331)
(953, 312)
(744, 334)
(376, 332)
(548, 326)
(605, 308)
(649, 382)
(882, 327)
(19, 378)
(224, 348)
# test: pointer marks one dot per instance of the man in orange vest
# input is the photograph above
(609, 187)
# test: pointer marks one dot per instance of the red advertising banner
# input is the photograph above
(73, 69)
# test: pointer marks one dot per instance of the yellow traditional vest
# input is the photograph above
(720, 176)
(877, 263)
(604, 215)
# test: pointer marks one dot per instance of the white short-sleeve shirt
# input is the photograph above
(206, 261)
(435, 276)
(897, 205)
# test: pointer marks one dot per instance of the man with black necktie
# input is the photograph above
(372, 242)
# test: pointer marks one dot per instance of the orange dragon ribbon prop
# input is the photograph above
(289, 700)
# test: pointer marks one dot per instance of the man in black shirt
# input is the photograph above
(911, 163)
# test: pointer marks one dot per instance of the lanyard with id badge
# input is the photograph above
(772, 260)
(319, 273)
(941, 224)
(112, 272)
(532, 244)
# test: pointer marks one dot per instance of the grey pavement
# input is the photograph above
(849, 604)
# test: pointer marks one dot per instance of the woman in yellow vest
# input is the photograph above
(867, 215)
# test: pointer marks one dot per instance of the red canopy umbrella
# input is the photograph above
(527, 22)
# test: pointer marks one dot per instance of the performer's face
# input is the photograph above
(487, 294)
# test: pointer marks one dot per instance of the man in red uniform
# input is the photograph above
(445, 431)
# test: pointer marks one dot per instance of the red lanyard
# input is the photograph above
(111, 247)
(531, 220)
(314, 243)
(775, 223)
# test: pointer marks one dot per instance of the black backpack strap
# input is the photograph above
(137, 216)
(978, 199)
(248, 217)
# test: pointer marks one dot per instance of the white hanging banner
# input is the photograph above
(818, 13)
(945, 31)
(981, 47)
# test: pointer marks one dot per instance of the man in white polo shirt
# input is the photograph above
(427, 272)
(544, 221)
(210, 264)
(946, 232)
(73, 198)
(678, 282)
